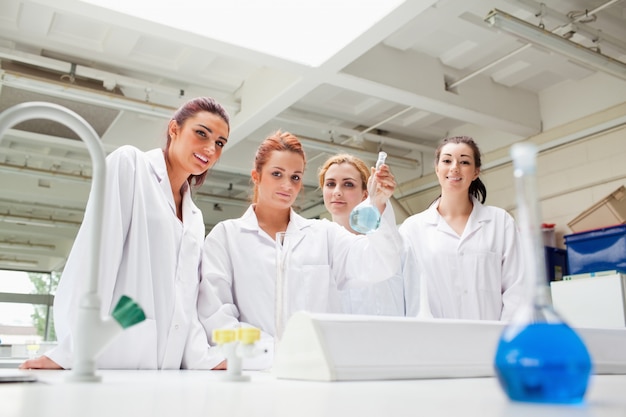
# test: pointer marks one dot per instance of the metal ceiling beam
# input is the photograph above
(557, 44)
(297, 120)
(331, 147)
(597, 36)
(82, 95)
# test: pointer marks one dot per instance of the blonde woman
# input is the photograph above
(343, 180)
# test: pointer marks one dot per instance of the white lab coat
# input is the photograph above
(239, 264)
(381, 299)
(478, 275)
(151, 256)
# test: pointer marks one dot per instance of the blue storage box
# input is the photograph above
(556, 263)
(597, 250)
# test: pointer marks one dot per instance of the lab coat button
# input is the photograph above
(176, 327)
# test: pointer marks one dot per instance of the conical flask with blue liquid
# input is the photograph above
(365, 217)
(539, 357)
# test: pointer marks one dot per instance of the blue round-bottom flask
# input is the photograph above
(543, 362)
(365, 218)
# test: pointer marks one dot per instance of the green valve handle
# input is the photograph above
(127, 312)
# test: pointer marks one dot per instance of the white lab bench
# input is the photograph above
(202, 393)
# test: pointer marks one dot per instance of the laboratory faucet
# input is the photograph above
(92, 332)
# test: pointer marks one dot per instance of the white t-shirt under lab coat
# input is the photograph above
(478, 275)
(239, 263)
(149, 255)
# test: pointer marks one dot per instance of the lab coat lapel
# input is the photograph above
(297, 225)
(166, 188)
(433, 218)
(189, 208)
(157, 161)
(477, 219)
(249, 223)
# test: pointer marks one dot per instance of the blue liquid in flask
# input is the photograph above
(539, 357)
(543, 363)
(365, 219)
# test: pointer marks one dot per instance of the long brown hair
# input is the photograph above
(190, 109)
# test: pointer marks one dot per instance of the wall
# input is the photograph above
(580, 163)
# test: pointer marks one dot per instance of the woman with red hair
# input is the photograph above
(239, 261)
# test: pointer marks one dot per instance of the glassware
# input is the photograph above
(539, 358)
(365, 217)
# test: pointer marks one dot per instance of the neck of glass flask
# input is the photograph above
(532, 243)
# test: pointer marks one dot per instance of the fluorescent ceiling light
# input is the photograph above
(307, 32)
(29, 246)
(332, 148)
(28, 221)
(555, 43)
(17, 262)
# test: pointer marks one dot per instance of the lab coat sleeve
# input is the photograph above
(216, 306)
(514, 285)
(363, 260)
(198, 353)
(119, 191)
(410, 274)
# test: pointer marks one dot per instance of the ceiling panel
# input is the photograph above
(411, 79)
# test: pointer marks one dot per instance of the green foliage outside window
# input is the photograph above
(44, 284)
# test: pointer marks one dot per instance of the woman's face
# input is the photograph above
(280, 179)
(197, 144)
(456, 168)
(343, 189)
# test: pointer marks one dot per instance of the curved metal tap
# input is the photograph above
(41, 110)
(92, 332)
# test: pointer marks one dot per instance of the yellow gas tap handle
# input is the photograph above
(221, 336)
(248, 335)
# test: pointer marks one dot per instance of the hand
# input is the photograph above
(385, 184)
(221, 366)
(42, 362)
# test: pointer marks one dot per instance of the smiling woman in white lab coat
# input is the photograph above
(468, 253)
(239, 261)
(151, 249)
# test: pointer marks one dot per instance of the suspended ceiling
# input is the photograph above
(427, 70)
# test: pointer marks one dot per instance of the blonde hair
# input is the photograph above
(348, 159)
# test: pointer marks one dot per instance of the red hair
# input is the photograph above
(277, 141)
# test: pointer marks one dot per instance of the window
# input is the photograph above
(26, 300)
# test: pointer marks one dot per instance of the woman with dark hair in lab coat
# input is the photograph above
(343, 179)
(151, 249)
(468, 253)
(239, 261)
